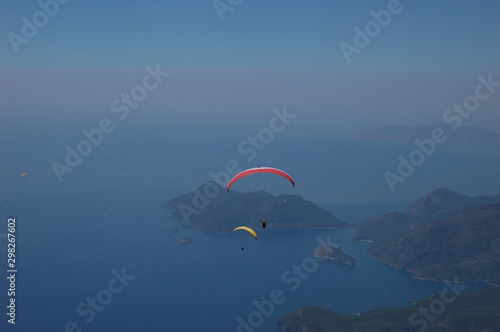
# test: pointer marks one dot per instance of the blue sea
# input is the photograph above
(69, 246)
(97, 252)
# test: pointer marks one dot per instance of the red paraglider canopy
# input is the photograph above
(259, 170)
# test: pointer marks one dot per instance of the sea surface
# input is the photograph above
(97, 251)
(68, 247)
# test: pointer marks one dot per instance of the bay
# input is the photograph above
(67, 253)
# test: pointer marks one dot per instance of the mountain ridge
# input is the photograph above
(441, 203)
(228, 210)
(473, 311)
(466, 246)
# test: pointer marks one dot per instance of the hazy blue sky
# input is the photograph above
(262, 55)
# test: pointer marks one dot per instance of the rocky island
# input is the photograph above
(335, 254)
(220, 211)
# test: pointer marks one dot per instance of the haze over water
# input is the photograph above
(68, 246)
(115, 108)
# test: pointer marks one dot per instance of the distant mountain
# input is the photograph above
(227, 210)
(440, 204)
(466, 246)
(443, 201)
(474, 311)
(463, 135)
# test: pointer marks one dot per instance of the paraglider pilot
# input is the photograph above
(263, 222)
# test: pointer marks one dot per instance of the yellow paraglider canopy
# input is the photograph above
(248, 229)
